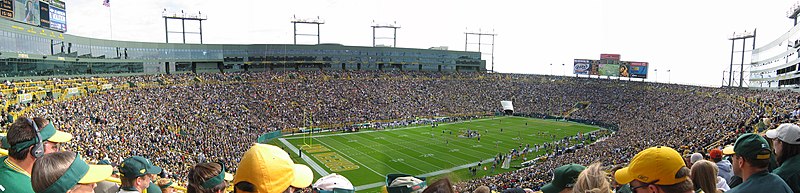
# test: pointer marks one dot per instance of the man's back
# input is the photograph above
(789, 171)
(762, 182)
(13, 179)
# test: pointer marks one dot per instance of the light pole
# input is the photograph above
(551, 69)
(562, 70)
(656, 71)
(669, 77)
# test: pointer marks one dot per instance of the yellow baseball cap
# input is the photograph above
(271, 170)
(728, 150)
(655, 164)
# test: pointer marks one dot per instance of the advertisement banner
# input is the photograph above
(25, 98)
(73, 91)
(638, 69)
(582, 66)
(44, 14)
(615, 57)
(58, 19)
(623, 69)
(27, 11)
(609, 69)
(593, 68)
(7, 9)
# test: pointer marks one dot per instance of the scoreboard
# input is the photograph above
(610, 65)
(48, 14)
(7, 9)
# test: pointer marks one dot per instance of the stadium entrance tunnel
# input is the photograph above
(508, 112)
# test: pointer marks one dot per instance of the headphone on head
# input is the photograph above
(37, 149)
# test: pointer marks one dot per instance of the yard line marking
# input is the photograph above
(414, 127)
(348, 157)
(411, 165)
(305, 157)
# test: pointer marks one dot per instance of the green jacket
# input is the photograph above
(789, 171)
(762, 182)
(13, 179)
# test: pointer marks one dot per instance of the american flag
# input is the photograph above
(106, 3)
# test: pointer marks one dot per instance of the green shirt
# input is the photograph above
(789, 171)
(762, 182)
(13, 178)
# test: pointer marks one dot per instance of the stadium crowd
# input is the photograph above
(192, 116)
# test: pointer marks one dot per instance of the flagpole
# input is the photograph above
(110, 29)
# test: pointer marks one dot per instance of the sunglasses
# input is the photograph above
(633, 189)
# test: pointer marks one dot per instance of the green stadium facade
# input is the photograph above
(27, 51)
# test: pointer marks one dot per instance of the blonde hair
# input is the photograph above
(592, 180)
(704, 176)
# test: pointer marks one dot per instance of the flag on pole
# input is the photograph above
(106, 3)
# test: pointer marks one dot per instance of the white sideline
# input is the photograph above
(378, 184)
(305, 157)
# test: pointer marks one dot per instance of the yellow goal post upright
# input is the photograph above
(308, 141)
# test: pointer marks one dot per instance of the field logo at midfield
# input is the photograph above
(336, 163)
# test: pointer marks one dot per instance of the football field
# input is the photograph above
(366, 157)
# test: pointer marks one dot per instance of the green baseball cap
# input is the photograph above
(563, 177)
(137, 166)
(752, 146)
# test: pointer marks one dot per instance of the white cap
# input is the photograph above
(332, 181)
(787, 132)
(696, 157)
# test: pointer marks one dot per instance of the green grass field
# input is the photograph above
(366, 157)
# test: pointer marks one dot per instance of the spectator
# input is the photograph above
(592, 180)
(723, 166)
(564, 179)
(695, 157)
(106, 186)
(268, 169)
(166, 185)
(26, 143)
(482, 189)
(735, 180)
(704, 177)
(66, 172)
(207, 178)
(656, 169)
(786, 142)
(333, 183)
(618, 188)
(751, 161)
(440, 186)
(404, 183)
(136, 174)
(153, 187)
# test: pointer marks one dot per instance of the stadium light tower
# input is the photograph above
(392, 26)
(316, 21)
(183, 17)
(481, 34)
(793, 12)
(740, 36)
